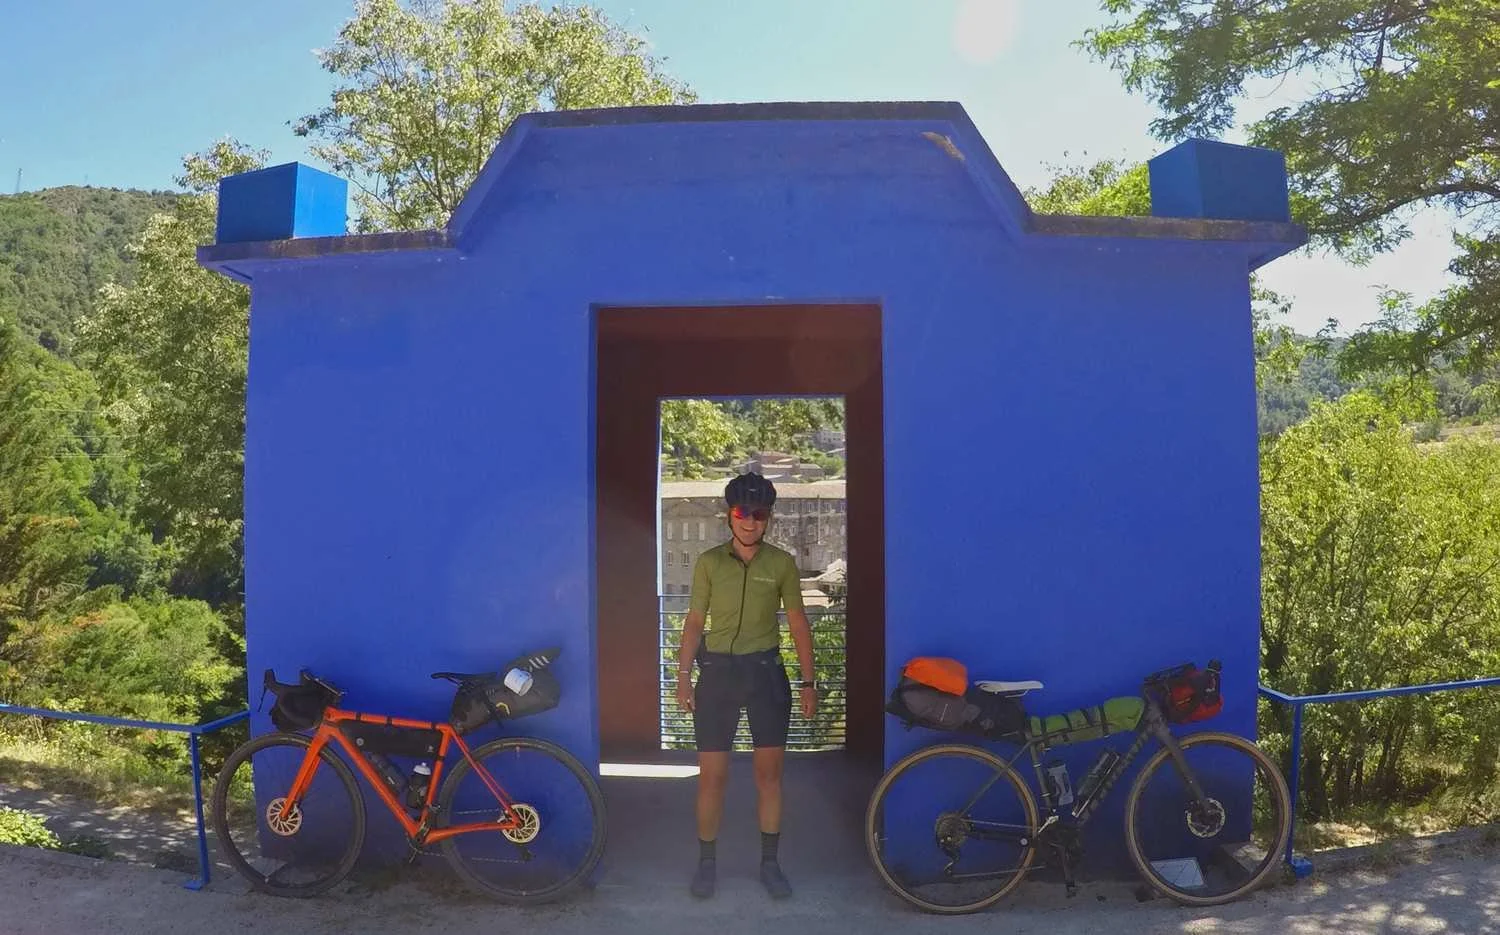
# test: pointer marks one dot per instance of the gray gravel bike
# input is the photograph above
(953, 828)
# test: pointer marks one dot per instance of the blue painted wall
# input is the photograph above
(1070, 434)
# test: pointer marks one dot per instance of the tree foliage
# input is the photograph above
(58, 247)
(695, 433)
(428, 87)
(1405, 113)
(1106, 187)
(1381, 563)
(170, 352)
(698, 435)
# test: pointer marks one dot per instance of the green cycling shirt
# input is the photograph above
(741, 600)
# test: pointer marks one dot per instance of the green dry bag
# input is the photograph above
(1091, 723)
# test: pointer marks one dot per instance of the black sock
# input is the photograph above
(768, 842)
(705, 849)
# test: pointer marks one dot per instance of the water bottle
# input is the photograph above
(1062, 790)
(416, 786)
(388, 771)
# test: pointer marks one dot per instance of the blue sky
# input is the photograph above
(114, 94)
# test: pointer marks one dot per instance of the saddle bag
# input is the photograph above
(969, 711)
(478, 701)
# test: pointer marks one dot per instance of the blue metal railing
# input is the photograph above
(1301, 866)
(194, 731)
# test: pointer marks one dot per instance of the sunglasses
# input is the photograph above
(744, 512)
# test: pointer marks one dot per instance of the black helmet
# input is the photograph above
(750, 490)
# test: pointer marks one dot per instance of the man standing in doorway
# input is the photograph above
(738, 587)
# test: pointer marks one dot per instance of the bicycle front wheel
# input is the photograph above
(1211, 828)
(951, 829)
(561, 837)
(287, 850)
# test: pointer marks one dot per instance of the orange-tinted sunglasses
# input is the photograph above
(745, 512)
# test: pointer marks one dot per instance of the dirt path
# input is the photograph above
(48, 893)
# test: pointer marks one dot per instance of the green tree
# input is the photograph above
(1107, 187)
(1381, 568)
(695, 433)
(58, 247)
(42, 544)
(771, 424)
(66, 542)
(170, 354)
(1404, 116)
(428, 87)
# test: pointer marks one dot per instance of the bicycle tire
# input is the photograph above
(524, 897)
(220, 818)
(1278, 789)
(873, 818)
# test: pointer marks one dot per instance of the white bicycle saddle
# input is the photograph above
(1009, 688)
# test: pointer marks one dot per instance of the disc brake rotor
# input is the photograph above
(282, 821)
(530, 824)
(1205, 818)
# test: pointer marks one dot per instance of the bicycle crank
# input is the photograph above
(530, 824)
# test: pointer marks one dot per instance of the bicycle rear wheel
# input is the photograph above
(561, 840)
(951, 829)
(298, 851)
(1214, 847)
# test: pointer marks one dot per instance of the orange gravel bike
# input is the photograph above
(517, 818)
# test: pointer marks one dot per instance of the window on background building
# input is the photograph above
(669, 532)
(702, 530)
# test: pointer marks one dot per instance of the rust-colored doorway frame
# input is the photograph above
(646, 354)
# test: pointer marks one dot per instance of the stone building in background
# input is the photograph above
(809, 522)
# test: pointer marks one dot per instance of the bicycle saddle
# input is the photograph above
(1008, 688)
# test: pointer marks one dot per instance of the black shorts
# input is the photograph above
(756, 682)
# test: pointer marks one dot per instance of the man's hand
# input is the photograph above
(809, 702)
(685, 690)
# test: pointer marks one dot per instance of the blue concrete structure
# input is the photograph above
(1069, 428)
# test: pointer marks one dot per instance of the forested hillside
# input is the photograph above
(58, 246)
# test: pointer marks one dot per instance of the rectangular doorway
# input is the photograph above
(645, 355)
(799, 444)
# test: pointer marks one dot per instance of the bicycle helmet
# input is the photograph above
(750, 489)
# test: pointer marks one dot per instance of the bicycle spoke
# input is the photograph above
(556, 821)
(1210, 833)
(926, 841)
(285, 849)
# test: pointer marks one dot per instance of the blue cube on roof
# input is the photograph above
(281, 202)
(1220, 181)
